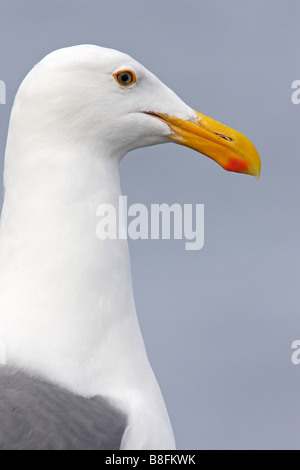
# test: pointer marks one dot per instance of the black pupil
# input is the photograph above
(125, 77)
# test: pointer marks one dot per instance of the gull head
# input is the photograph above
(101, 98)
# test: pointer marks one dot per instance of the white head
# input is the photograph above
(75, 92)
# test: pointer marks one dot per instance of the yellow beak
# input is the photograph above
(231, 149)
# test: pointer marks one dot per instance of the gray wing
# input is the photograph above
(35, 415)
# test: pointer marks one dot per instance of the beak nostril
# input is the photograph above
(224, 137)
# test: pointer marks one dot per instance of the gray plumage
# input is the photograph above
(35, 415)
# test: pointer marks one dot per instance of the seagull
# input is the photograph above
(76, 372)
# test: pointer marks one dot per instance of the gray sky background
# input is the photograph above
(218, 323)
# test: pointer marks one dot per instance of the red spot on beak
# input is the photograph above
(237, 165)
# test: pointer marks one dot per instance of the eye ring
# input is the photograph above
(125, 78)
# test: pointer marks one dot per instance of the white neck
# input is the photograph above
(67, 309)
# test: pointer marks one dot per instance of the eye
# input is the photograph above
(125, 77)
